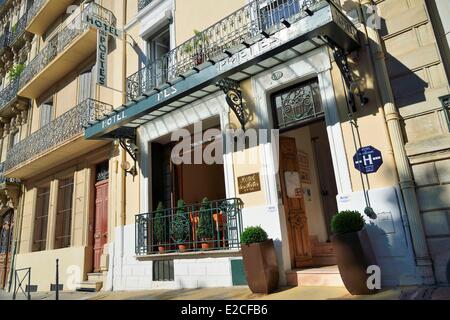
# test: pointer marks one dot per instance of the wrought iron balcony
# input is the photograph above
(445, 100)
(43, 13)
(17, 31)
(216, 223)
(258, 17)
(9, 93)
(63, 39)
(3, 179)
(58, 131)
(143, 3)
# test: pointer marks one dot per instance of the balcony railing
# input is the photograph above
(63, 39)
(17, 30)
(143, 3)
(3, 179)
(34, 9)
(242, 27)
(216, 223)
(58, 131)
(9, 93)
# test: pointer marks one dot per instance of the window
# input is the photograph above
(14, 139)
(41, 219)
(46, 112)
(157, 47)
(85, 85)
(298, 104)
(163, 270)
(64, 214)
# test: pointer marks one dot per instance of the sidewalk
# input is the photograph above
(243, 293)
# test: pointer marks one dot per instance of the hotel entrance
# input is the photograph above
(306, 174)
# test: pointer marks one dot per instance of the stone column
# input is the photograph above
(405, 175)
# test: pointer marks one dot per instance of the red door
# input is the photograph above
(6, 233)
(101, 221)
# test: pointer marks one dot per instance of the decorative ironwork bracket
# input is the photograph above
(340, 56)
(232, 90)
(127, 140)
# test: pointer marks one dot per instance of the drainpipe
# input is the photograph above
(17, 234)
(406, 180)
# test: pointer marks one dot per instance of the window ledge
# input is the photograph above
(190, 255)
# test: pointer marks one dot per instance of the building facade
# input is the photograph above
(281, 94)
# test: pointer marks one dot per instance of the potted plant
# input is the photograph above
(260, 261)
(195, 47)
(179, 228)
(16, 71)
(160, 227)
(353, 250)
(205, 230)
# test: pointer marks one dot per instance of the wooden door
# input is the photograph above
(101, 221)
(327, 179)
(6, 234)
(294, 206)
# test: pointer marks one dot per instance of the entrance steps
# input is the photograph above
(315, 277)
(322, 252)
(93, 284)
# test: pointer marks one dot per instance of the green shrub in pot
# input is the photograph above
(253, 235)
(347, 222)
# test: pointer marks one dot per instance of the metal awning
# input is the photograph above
(320, 23)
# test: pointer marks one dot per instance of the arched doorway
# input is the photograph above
(6, 237)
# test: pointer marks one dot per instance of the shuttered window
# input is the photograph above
(46, 112)
(41, 219)
(63, 230)
(85, 87)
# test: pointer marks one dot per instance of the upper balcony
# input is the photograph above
(54, 143)
(74, 43)
(15, 36)
(8, 97)
(43, 13)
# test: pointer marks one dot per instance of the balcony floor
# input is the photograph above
(47, 15)
(79, 50)
(70, 149)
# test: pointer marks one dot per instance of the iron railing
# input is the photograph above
(445, 100)
(239, 29)
(3, 179)
(63, 128)
(9, 93)
(63, 39)
(3, 41)
(34, 9)
(143, 3)
(216, 223)
(17, 30)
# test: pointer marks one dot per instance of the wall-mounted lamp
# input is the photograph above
(126, 166)
(129, 144)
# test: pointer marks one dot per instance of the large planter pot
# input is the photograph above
(354, 255)
(261, 268)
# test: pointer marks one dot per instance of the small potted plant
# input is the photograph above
(205, 230)
(353, 250)
(195, 47)
(179, 228)
(160, 227)
(260, 261)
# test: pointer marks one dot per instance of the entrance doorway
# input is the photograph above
(6, 237)
(306, 174)
(100, 214)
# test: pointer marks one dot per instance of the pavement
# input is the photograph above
(243, 293)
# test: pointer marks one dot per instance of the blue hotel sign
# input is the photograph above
(368, 160)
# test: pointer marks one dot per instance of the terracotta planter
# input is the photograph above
(354, 254)
(207, 244)
(182, 247)
(161, 249)
(261, 267)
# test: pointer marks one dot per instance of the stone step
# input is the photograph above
(90, 286)
(315, 277)
(97, 276)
